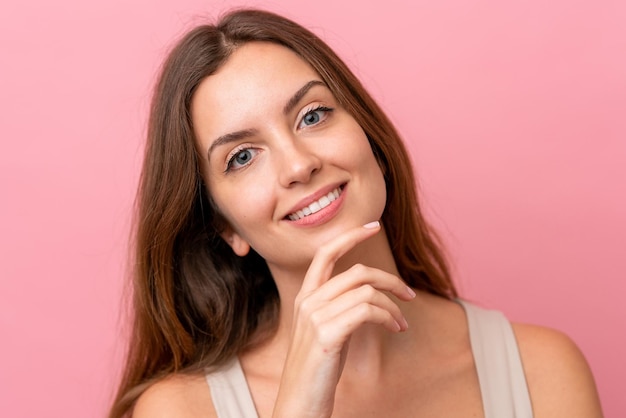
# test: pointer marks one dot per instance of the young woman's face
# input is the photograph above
(287, 167)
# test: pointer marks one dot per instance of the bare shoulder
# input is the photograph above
(559, 379)
(176, 396)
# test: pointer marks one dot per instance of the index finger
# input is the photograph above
(327, 255)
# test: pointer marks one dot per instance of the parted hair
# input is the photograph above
(195, 304)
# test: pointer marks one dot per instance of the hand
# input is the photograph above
(326, 313)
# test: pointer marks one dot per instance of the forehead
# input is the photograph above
(254, 71)
(263, 55)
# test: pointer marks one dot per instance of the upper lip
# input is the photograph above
(302, 203)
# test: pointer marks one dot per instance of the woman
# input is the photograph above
(265, 284)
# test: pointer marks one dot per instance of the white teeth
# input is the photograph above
(316, 206)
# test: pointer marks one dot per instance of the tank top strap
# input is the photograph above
(500, 373)
(230, 393)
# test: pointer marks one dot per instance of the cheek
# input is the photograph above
(244, 204)
(377, 184)
(361, 157)
(347, 144)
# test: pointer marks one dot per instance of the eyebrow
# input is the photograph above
(245, 133)
(231, 137)
(300, 94)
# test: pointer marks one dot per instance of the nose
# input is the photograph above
(298, 163)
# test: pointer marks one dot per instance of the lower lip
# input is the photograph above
(323, 215)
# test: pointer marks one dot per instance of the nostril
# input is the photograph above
(300, 167)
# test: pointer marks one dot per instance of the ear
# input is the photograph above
(239, 245)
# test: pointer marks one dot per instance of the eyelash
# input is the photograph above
(245, 147)
(318, 108)
(233, 155)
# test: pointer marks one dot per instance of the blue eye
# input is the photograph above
(315, 116)
(240, 158)
(243, 157)
(311, 118)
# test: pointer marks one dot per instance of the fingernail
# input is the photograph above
(410, 292)
(372, 225)
(405, 323)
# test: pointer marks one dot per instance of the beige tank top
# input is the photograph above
(500, 374)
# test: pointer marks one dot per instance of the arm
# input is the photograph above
(559, 379)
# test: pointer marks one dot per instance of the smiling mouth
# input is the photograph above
(316, 206)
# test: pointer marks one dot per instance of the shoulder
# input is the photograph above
(559, 379)
(179, 396)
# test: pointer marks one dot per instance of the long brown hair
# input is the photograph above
(195, 303)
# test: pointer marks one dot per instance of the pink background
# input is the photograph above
(515, 113)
